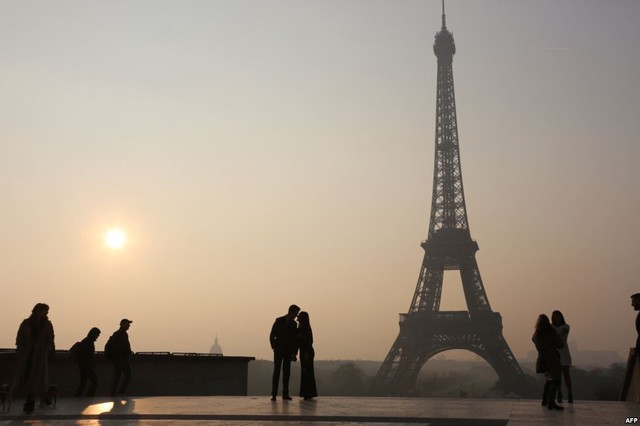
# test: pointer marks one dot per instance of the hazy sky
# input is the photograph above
(268, 152)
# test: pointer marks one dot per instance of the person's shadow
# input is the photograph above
(122, 406)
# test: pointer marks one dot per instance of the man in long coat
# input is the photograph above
(34, 345)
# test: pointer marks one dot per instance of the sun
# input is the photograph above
(115, 238)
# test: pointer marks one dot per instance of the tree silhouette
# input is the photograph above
(348, 379)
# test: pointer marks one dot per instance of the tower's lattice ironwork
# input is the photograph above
(425, 330)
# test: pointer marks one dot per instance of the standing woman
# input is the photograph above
(305, 341)
(547, 344)
(562, 328)
(35, 344)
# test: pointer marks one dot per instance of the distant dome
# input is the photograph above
(216, 348)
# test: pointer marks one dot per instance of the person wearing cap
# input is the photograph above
(118, 350)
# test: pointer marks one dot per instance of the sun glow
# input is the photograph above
(115, 239)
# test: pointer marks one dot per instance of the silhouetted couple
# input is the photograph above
(286, 339)
(554, 359)
(547, 344)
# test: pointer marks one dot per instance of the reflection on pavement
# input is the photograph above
(94, 409)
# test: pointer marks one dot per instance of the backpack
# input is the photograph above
(109, 347)
(74, 350)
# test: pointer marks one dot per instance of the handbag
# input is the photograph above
(541, 366)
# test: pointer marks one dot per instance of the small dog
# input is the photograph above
(5, 397)
(50, 399)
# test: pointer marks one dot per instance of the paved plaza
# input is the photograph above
(227, 410)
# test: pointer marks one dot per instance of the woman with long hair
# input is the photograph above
(562, 328)
(34, 346)
(307, 354)
(547, 344)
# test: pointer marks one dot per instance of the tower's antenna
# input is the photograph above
(444, 24)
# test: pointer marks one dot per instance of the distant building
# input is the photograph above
(216, 348)
(587, 358)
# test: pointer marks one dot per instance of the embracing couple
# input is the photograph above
(286, 339)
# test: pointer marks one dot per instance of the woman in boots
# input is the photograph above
(547, 344)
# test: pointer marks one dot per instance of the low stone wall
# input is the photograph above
(153, 374)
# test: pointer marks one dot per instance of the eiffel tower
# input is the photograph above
(425, 330)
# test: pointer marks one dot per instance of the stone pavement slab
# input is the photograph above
(228, 410)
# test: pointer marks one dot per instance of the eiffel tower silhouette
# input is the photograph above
(425, 330)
